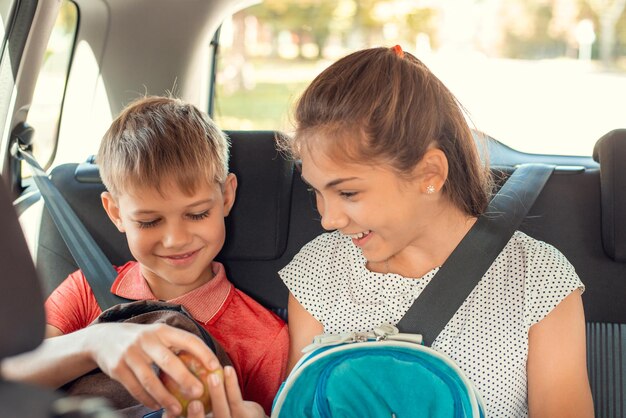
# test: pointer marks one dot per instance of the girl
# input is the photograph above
(397, 177)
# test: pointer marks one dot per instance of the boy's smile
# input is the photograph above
(181, 259)
(173, 235)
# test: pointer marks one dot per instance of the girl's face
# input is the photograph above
(383, 214)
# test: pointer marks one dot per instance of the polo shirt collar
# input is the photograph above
(202, 303)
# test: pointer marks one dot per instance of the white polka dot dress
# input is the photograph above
(488, 335)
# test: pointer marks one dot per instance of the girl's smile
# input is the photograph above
(361, 238)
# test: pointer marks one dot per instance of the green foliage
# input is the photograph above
(68, 16)
(535, 42)
(308, 19)
(315, 20)
(621, 35)
(264, 107)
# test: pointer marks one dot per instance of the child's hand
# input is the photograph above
(226, 399)
(128, 352)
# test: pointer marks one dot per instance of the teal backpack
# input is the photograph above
(378, 374)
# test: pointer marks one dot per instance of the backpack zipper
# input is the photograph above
(380, 333)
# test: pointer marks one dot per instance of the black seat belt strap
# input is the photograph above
(471, 259)
(92, 261)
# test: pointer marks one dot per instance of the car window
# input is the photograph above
(5, 9)
(6, 83)
(540, 76)
(45, 110)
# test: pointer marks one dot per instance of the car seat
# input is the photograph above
(22, 327)
(606, 341)
(22, 318)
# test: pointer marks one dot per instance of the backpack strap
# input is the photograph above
(471, 259)
(94, 264)
(156, 311)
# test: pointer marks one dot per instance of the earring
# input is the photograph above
(430, 189)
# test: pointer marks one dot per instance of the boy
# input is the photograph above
(165, 167)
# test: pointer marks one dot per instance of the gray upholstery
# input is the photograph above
(607, 368)
(610, 152)
(606, 340)
(28, 401)
(257, 226)
(22, 318)
(20, 293)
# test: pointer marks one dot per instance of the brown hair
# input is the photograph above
(381, 106)
(157, 139)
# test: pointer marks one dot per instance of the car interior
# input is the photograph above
(26, 334)
(120, 51)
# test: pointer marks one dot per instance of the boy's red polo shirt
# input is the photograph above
(256, 339)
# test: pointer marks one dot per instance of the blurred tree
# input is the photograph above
(364, 24)
(566, 25)
(421, 21)
(66, 21)
(357, 23)
(620, 38)
(529, 30)
(403, 20)
(307, 19)
(609, 13)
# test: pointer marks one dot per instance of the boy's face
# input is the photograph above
(173, 236)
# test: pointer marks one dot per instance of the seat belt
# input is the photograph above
(90, 259)
(471, 259)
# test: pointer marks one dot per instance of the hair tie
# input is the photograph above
(398, 50)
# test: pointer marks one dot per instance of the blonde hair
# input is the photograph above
(378, 106)
(156, 140)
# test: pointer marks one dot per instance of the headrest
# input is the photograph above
(610, 152)
(22, 317)
(257, 226)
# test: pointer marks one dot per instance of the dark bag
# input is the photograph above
(98, 384)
